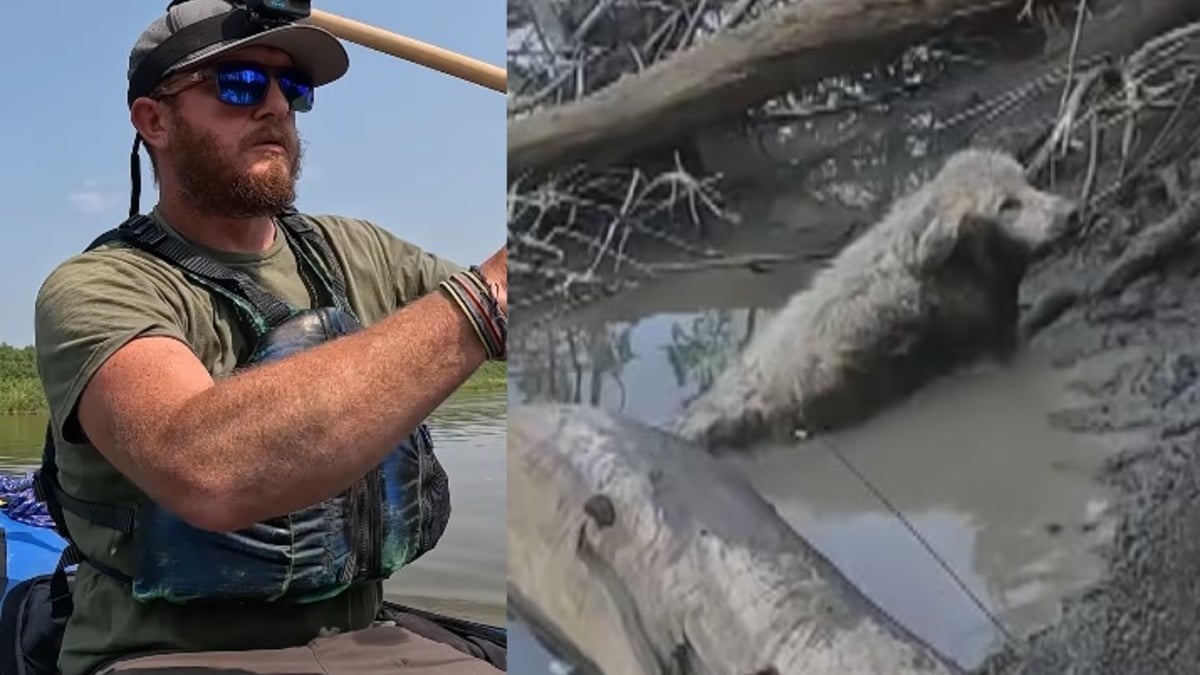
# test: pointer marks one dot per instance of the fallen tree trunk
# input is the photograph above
(645, 555)
(726, 73)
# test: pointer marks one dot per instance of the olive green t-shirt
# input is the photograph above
(95, 302)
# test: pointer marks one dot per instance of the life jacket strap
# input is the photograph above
(141, 232)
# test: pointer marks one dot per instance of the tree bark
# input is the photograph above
(726, 73)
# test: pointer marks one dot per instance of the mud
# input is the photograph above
(1134, 361)
(1070, 509)
(1007, 502)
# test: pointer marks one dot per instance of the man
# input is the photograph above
(138, 352)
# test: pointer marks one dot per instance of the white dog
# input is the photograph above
(935, 283)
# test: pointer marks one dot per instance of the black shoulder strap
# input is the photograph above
(295, 225)
(49, 491)
(114, 234)
(46, 486)
(140, 231)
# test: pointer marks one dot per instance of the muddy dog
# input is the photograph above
(932, 285)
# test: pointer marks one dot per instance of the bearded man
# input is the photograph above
(237, 451)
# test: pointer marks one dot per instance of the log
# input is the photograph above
(726, 73)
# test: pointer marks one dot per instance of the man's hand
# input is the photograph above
(495, 270)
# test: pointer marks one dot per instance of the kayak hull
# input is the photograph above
(28, 551)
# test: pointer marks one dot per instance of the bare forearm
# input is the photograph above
(287, 434)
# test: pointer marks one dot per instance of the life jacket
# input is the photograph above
(396, 513)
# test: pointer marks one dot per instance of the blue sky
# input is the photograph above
(416, 151)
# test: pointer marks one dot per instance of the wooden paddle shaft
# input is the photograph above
(416, 51)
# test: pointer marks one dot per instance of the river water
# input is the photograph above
(464, 575)
(1007, 503)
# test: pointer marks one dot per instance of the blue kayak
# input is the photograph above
(29, 550)
(30, 547)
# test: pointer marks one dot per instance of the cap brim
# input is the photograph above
(314, 50)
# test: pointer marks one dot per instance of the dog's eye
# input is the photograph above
(1010, 204)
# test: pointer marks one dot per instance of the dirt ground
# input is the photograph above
(1135, 359)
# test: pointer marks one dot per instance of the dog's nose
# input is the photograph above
(1070, 213)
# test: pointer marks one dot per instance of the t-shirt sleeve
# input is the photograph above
(384, 263)
(415, 271)
(87, 309)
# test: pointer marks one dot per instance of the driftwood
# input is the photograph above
(800, 43)
(723, 75)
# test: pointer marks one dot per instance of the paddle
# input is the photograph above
(409, 49)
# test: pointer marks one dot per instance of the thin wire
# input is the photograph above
(1012, 640)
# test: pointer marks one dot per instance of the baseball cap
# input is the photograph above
(192, 32)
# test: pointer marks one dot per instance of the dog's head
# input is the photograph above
(981, 192)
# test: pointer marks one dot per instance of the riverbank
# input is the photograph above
(21, 391)
(490, 378)
(1130, 361)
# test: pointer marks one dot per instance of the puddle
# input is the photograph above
(1009, 504)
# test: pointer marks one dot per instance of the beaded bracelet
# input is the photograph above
(470, 292)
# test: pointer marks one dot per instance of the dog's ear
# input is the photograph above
(936, 244)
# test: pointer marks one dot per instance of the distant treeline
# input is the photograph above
(21, 391)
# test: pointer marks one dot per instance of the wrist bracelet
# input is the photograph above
(498, 320)
(472, 296)
(456, 295)
(460, 290)
(479, 297)
(493, 304)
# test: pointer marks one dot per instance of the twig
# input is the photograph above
(1089, 178)
(739, 12)
(1173, 39)
(689, 33)
(1148, 156)
(593, 16)
(1146, 252)
(526, 103)
(750, 261)
(1068, 116)
(1048, 309)
(1080, 10)
(1151, 246)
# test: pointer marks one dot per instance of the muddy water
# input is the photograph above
(1007, 502)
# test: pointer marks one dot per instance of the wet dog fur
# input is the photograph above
(932, 285)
